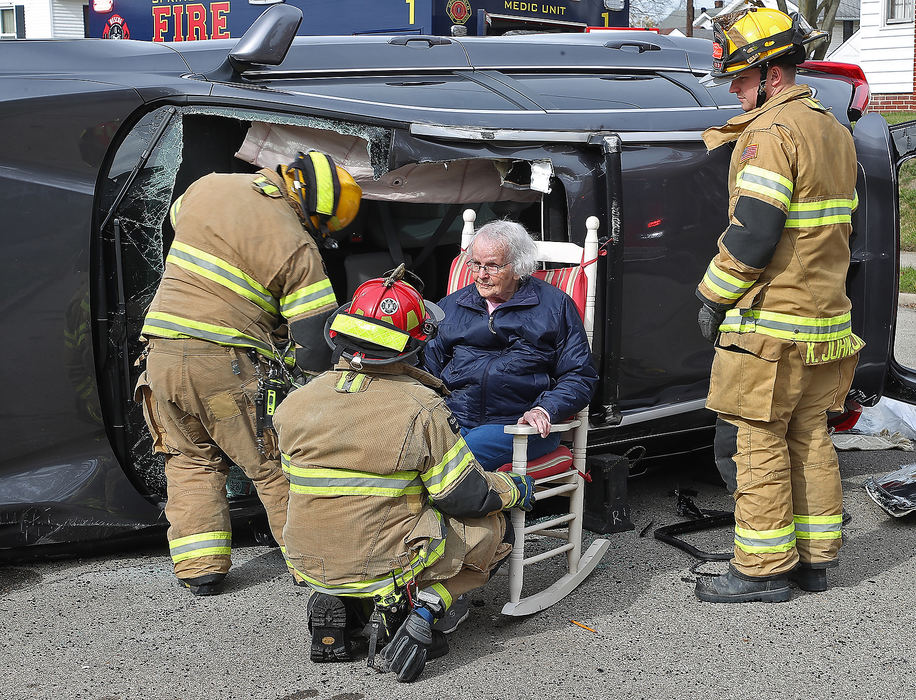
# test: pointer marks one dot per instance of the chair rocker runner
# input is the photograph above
(561, 472)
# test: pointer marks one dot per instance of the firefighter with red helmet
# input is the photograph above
(388, 509)
(775, 304)
(242, 301)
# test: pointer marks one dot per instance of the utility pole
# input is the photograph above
(690, 18)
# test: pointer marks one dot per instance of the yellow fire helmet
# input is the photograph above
(753, 36)
(327, 195)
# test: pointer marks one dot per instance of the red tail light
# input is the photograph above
(853, 75)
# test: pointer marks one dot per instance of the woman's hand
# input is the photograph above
(538, 418)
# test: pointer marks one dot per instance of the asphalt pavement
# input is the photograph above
(118, 626)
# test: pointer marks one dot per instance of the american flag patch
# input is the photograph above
(749, 152)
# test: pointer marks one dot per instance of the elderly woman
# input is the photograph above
(512, 349)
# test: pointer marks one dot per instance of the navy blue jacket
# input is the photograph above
(532, 351)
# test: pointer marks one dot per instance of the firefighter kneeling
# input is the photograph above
(389, 512)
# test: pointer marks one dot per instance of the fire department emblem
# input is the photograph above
(458, 10)
(116, 28)
(389, 306)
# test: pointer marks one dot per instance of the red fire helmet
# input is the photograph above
(388, 320)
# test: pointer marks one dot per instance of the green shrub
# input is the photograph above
(908, 280)
(898, 117)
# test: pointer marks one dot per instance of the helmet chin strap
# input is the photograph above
(762, 87)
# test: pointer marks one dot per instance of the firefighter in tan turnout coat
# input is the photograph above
(775, 298)
(242, 280)
(387, 503)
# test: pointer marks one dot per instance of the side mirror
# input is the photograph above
(268, 39)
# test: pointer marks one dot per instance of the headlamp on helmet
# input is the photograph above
(388, 320)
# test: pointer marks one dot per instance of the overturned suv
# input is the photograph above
(548, 130)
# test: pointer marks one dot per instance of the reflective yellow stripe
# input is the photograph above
(324, 182)
(216, 270)
(206, 552)
(204, 544)
(309, 298)
(765, 182)
(820, 213)
(266, 186)
(319, 481)
(443, 593)
(786, 326)
(202, 537)
(450, 468)
(372, 332)
(173, 211)
(831, 535)
(162, 325)
(762, 541)
(725, 285)
(819, 527)
(819, 519)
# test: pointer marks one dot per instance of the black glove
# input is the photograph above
(709, 320)
(525, 486)
(407, 652)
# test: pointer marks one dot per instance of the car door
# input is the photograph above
(884, 314)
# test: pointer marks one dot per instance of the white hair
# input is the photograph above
(521, 250)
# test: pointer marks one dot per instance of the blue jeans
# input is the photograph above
(493, 448)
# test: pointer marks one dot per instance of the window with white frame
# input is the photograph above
(899, 11)
(7, 22)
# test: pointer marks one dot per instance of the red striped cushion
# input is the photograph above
(459, 275)
(571, 280)
(560, 460)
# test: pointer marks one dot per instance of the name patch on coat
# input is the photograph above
(749, 152)
(832, 350)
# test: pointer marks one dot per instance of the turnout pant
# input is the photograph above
(474, 548)
(773, 449)
(198, 401)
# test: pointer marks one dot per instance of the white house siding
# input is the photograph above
(68, 19)
(37, 19)
(53, 19)
(885, 50)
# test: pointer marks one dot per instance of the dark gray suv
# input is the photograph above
(101, 136)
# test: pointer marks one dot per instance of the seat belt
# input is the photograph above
(391, 236)
(450, 214)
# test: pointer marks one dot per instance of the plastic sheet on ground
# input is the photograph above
(888, 425)
(885, 440)
(895, 493)
(888, 415)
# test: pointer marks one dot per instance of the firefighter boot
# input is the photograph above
(809, 578)
(735, 587)
(209, 584)
(328, 622)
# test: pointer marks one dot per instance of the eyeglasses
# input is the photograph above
(489, 268)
